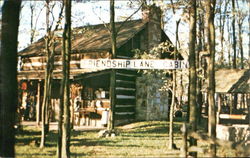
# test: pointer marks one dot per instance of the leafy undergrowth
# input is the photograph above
(141, 139)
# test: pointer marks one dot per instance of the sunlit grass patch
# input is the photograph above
(140, 139)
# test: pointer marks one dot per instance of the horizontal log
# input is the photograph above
(123, 116)
(125, 96)
(120, 76)
(125, 92)
(125, 109)
(125, 84)
(125, 101)
(124, 89)
(123, 106)
(128, 72)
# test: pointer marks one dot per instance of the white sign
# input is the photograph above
(132, 64)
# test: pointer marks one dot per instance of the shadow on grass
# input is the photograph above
(135, 137)
(28, 137)
(155, 130)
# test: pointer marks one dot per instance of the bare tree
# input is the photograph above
(64, 118)
(50, 53)
(210, 9)
(171, 144)
(33, 20)
(8, 76)
(192, 70)
(241, 16)
(234, 36)
(113, 74)
(222, 20)
(48, 79)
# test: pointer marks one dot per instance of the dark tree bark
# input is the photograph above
(235, 98)
(234, 36)
(64, 122)
(111, 121)
(210, 9)
(192, 71)
(48, 80)
(8, 76)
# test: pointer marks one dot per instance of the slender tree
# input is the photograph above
(210, 9)
(234, 35)
(32, 31)
(113, 74)
(249, 35)
(241, 16)
(50, 41)
(48, 80)
(192, 70)
(64, 118)
(8, 76)
(171, 144)
(222, 20)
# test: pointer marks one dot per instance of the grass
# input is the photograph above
(141, 139)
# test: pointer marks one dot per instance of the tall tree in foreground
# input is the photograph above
(192, 70)
(50, 41)
(48, 79)
(210, 9)
(113, 75)
(64, 112)
(8, 76)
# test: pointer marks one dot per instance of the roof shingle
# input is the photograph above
(92, 38)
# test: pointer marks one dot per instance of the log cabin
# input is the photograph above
(90, 88)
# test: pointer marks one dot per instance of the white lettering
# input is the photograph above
(132, 64)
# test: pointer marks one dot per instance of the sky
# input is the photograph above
(83, 13)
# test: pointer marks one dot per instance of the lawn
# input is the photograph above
(141, 139)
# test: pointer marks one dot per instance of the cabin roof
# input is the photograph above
(93, 38)
(232, 81)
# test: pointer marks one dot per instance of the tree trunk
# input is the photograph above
(210, 7)
(234, 49)
(240, 20)
(222, 24)
(234, 36)
(8, 76)
(192, 72)
(171, 114)
(113, 73)
(173, 102)
(249, 38)
(229, 44)
(47, 81)
(32, 31)
(64, 122)
(199, 63)
(38, 103)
